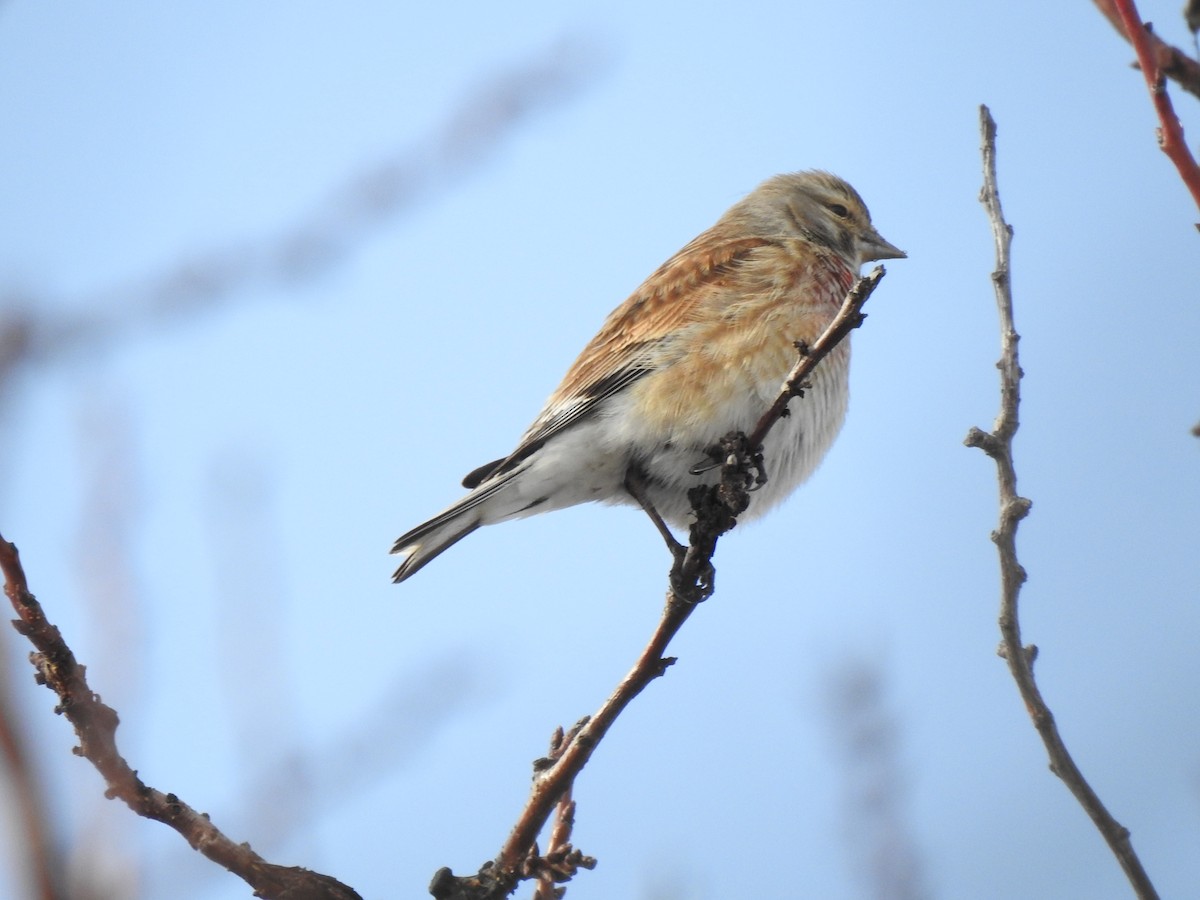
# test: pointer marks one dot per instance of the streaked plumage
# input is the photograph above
(699, 350)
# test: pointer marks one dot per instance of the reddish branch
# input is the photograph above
(1013, 508)
(1171, 61)
(95, 725)
(1158, 60)
(691, 581)
(1170, 135)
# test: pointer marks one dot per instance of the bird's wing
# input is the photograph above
(628, 345)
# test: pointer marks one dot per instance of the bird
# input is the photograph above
(699, 350)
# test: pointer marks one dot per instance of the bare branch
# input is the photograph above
(95, 725)
(1013, 508)
(1171, 61)
(691, 581)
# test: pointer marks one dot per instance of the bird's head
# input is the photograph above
(819, 207)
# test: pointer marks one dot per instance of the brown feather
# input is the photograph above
(653, 312)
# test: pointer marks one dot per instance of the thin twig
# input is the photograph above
(558, 776)
(1013, 508)
(562, 861)
(95, 725)
(1171, 61)
(1170, 132)
(717, 507)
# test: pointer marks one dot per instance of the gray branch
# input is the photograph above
(1013, 508)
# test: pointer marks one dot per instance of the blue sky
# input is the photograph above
(204, 504)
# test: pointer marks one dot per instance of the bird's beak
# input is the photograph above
(875, 247)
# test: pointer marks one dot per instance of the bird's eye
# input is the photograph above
(838, 210)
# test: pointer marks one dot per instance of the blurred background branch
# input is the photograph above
(884, 855)
(469, 137)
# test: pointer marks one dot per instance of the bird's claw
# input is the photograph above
(693, 577)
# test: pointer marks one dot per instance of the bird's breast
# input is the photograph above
(723, 368)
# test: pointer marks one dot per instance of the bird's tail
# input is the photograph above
(447, 528)
(426, 541)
